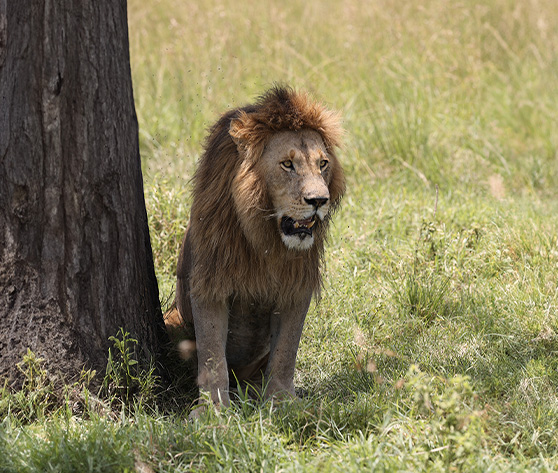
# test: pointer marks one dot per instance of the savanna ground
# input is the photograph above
(434, 347)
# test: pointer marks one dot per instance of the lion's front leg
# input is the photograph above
(286, 330)
(211, 325)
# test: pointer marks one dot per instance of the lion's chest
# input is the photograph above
(249, 332)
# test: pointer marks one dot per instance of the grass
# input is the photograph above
(434, 347)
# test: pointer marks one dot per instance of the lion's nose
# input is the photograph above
(316, 202)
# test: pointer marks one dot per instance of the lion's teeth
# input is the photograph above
(296, 224)
(311, 223)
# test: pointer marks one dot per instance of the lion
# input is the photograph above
(264, 193)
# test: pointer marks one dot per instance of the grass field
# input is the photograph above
(435, 344)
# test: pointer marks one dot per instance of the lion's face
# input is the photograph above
(297, 170)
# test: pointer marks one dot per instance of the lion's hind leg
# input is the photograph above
(249, 380)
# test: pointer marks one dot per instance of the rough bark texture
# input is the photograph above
(75, 256)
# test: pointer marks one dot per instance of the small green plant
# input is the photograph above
(424, 296)
(125, 378)
(35, 376)
(424, 291)
(37, 395)
(454, 430)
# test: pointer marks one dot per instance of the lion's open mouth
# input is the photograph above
(301, 228)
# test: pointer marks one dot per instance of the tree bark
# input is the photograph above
(75, 255)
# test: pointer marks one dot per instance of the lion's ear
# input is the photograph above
(240, 130)
(244, 132)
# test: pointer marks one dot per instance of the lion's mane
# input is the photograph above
(236, 247)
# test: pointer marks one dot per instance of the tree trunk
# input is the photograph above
(75, 255)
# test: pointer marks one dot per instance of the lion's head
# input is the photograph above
(264, 193)
(297, 170)
(287, 145)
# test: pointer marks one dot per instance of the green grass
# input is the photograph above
(435, 344)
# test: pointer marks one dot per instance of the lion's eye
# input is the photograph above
(287, 165)
(323, 164)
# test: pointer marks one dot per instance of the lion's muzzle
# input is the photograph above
(316, 202)
(300, 228)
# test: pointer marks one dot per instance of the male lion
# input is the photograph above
(264, 193)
